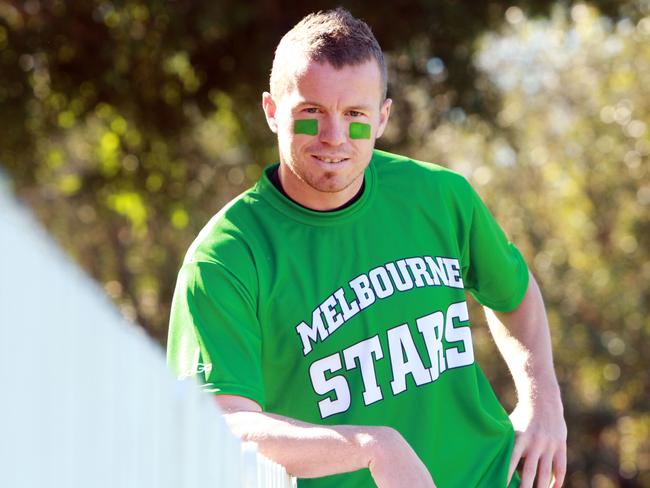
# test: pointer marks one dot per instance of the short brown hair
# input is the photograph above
(334, 36)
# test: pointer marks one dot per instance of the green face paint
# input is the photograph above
(359, 130)
(306, 126)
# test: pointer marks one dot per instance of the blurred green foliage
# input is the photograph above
(127, 124)
(566, 169)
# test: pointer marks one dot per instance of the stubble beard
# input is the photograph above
(326, 182)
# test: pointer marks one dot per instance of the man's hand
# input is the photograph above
(540, 439)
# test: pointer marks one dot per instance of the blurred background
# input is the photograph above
(126, 125)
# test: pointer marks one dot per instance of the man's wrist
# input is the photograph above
(381, 443)
(536, 394)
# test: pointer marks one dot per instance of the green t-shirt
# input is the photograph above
(357, 316)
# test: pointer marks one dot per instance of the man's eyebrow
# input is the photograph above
(363, 108)
(308, 102)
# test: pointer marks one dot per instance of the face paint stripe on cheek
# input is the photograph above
(359, 130)
(306, 126)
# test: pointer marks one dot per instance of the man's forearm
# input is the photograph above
(308, 450)
(523, 338)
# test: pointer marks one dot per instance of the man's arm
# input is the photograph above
(523, 338)
(310, 451)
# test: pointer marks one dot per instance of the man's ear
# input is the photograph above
(384, 113)
(269, 107)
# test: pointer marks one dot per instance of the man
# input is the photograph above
(325, 307)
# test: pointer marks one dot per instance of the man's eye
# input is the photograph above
(354, 113)
(311, 110)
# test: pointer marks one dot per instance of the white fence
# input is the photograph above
(86, 399)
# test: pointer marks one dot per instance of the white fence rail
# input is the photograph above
(86, 398)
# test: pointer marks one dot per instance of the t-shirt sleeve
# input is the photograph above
(494, 270)
(214, 331)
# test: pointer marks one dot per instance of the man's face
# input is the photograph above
(325, 170)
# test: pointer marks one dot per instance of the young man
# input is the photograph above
(325, 307)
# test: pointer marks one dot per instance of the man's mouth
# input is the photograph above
(330, 160)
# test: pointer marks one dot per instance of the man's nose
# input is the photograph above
(333, 131)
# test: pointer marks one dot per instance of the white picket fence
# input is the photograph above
(86, 399)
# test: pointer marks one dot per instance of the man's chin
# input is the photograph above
(332, 184)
